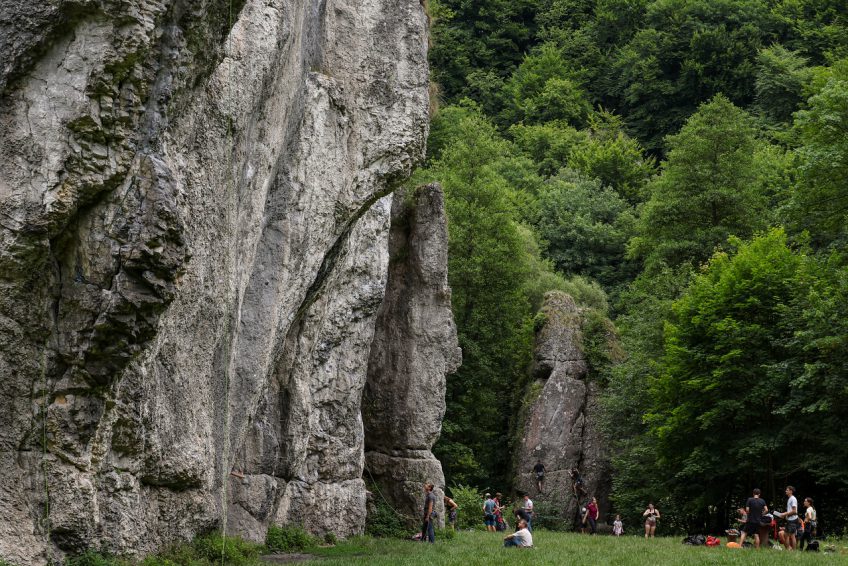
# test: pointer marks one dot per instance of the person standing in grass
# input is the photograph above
(791, 516)
(522, 537)
(755, 508)
(617, 526)
(652, 515)
(489, 506)
(428, 531)
(451, 509)
(591, 515)
(810, 518)
(528, 508)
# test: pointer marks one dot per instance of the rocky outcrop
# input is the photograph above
(415, 347)
(561, 426)
(193, 250)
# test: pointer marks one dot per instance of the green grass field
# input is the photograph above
(559, 548)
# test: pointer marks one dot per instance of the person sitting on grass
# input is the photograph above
(521, 537)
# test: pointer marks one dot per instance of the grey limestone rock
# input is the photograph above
(561, 427)
(415, 347)
(194, 220)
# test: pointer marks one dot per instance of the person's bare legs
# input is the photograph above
(742, 537)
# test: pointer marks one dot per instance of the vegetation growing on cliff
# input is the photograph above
(689, 157)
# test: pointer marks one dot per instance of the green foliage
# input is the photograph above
(470, 502)
(548, 145)
(613, 158)
(820, 203)
(586, 227)
(781, 78)
(707, 190)
(724, 371)
(288, 538)
(544, 89)
(91, 558)
(231, 550)
(385, 522)
(330, 538)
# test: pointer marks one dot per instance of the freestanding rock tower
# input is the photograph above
(562, 422)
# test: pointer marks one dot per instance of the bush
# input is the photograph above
(330, 538)
(550, 517)
(385, 522)
(290, 538)
(234, 551)
(469, 515)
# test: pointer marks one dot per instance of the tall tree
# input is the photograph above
(709, 189)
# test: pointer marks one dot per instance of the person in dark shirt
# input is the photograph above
(522, 515)
(428, 531)
(539, 470)
(577, 488)
(755, 508)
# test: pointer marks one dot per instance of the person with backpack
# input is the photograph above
(489, 507)
(428, 531)
(791, 516)
(539, 471)
(810, 526)
(755, 508)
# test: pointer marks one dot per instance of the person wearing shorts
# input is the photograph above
(651, 515)
(755, 508)
(489, 506)
(791, 516)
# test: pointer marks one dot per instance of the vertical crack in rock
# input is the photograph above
(415, 347)
(193, 240)
(561, 424)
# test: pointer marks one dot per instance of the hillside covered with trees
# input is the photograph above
(680, 167)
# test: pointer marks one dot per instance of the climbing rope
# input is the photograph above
(229, 181)
(386, 501)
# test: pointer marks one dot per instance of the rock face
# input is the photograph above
(194, 229)
(415, 346)
(561, 427)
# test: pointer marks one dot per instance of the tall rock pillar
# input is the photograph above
(415, 346)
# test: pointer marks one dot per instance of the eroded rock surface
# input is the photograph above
(193, 250)
(415, 347)
(561, 427)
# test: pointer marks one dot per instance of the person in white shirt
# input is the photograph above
(791, 516)
(528, 508)
(810, 518)
(522, 537)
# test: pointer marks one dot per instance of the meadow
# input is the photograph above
(477, 547)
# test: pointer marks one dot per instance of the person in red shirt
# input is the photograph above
(591, 515)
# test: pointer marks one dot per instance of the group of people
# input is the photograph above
(758, 522)
(756, 519)
(493, 518)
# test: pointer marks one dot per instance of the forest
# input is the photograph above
(680, 167)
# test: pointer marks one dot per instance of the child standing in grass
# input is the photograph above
(617, 526)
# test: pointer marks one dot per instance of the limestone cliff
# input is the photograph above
(194, 229)
(561, 426)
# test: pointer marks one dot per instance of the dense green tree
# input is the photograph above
(613, 158)
(708, 189)
(781, 78)
(687, 52)
(820, 203)
(719, 399)
(543, 88)
(585, 228)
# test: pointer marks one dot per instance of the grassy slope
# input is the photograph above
(561, 549)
